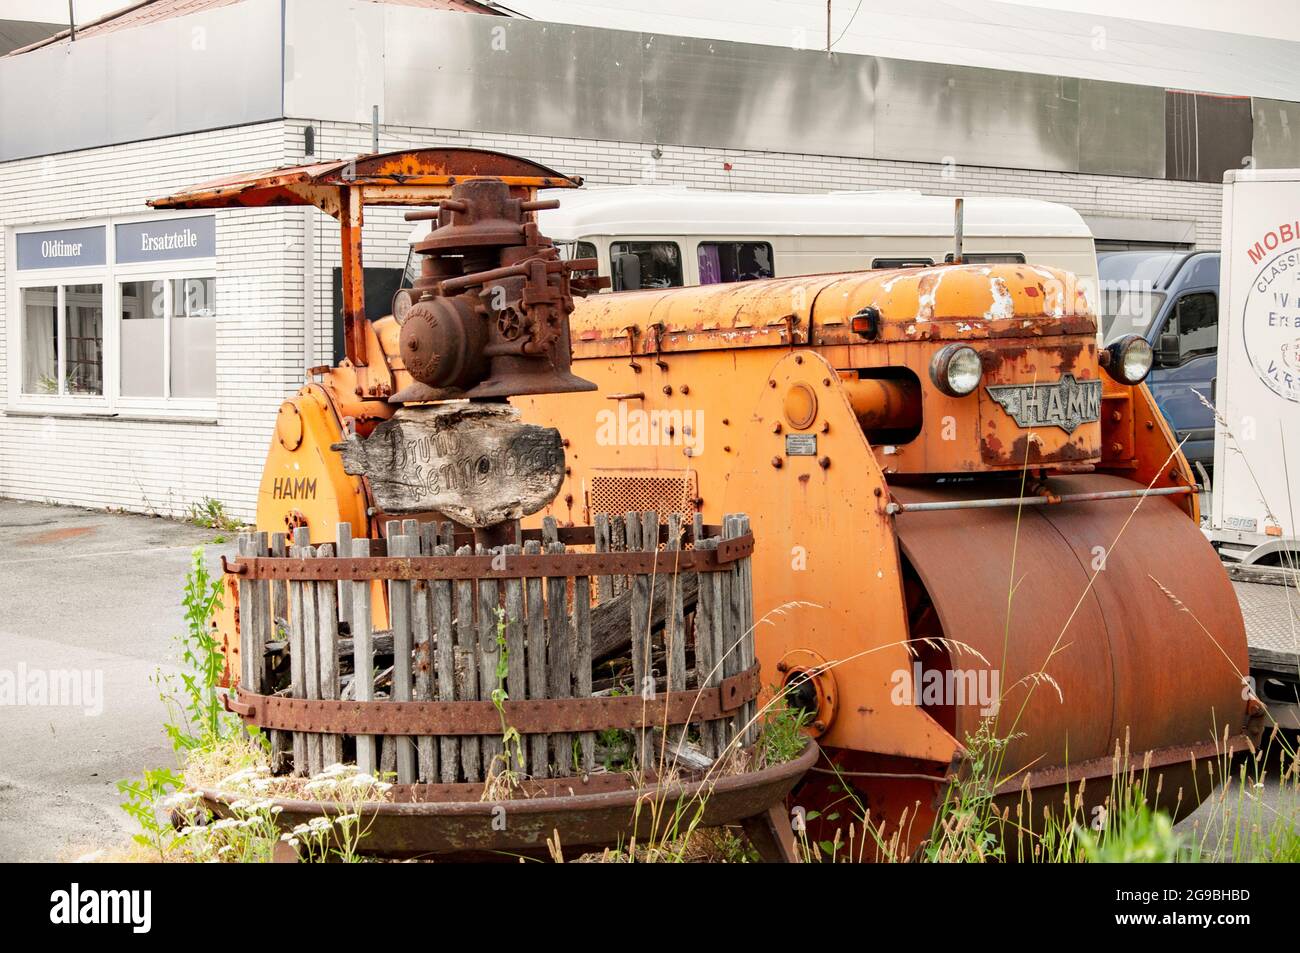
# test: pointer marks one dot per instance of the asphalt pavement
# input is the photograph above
(90, 607)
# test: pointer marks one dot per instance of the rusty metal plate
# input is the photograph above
(482, 567)
(1074, 591)
(538, 716)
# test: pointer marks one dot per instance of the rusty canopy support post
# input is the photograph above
(354, 283)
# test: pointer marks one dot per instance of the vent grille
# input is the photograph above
(664, 491)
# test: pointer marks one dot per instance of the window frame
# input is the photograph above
(109, 276)
(764, 242)
(1172, 322)
(682, 264)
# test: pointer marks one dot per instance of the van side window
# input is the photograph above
(734, 261)
(1196, 322)
(901, 263)
(660, 265)
(584, 250)
(988, 258)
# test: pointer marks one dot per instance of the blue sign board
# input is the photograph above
(167, 239)
(61, 248)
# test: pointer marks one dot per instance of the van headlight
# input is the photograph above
(956, 370)
(1129, 359)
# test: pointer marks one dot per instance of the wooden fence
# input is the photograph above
(389, 631)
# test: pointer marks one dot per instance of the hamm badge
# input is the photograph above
(1065, 403)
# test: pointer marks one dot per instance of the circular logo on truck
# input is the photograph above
(1270, 324)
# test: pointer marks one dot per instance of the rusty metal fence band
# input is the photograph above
(540, 716)
(492, 567)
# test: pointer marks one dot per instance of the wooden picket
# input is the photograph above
(446, 637)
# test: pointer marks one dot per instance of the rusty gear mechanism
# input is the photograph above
(492, 303)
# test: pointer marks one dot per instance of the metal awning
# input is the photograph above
(407, 177)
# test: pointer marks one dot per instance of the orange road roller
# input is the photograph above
(969, 516)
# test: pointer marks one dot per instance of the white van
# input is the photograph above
(658, 237)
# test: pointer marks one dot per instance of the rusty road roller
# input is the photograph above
(954, 484)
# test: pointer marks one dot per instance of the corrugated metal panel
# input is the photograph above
(982, 33)
(213, 69)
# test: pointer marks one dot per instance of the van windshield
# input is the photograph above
(1128, 311)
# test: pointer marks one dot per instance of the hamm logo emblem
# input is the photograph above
(1065, 404)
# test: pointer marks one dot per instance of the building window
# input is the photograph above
(40, 329)
(169, 336)
(119, 314)
(193, 365)
(734, 261)
(645, 265)
(63, 339)
(144, 322)
(83, 322)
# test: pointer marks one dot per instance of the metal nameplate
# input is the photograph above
(801, 445)
(1066, 403)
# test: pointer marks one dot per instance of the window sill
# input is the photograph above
(129, 417)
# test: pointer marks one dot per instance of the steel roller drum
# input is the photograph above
(1156, 668)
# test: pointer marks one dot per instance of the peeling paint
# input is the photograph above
(1004, 306)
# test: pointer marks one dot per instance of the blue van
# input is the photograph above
(1172, 299)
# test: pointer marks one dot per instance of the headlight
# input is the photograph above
(1129, 359)
(956, 370)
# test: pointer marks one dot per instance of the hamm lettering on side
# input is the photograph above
(294, 488)
(1065, 403)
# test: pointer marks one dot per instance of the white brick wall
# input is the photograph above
(155, 466)
(162, 467)
(606, 163)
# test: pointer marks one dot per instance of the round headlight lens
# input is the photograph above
(1131, 358)
(956, 370)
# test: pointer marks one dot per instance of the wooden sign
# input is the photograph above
(477, 464)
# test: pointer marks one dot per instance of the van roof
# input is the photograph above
(675, 210)
(1157, 266)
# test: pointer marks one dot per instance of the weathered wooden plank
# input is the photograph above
(642, 534)
(733, 642)
(675, 630)
(478, 463)
(467, 666)
(279, 589)
(489, 654)
(618, 544)
(604, 584)
(426, 746)
(363, 661)
(297, 657)
(582, 664)
(745, 574)
(708, 665)
(516, 656)
(535, 624)
(345, 589)
(444, 651)
(559, 659)
(327, 639)
(311, 661)
(399, 609)
(248, 660)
